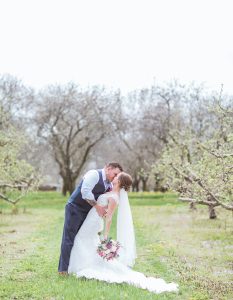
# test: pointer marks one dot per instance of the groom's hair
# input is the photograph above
(115, 165)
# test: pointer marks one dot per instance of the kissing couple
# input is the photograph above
(88, 212)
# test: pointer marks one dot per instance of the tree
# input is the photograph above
(151, 114)
(17, 177)
(15, 100)
(201, 169)
(73, 121)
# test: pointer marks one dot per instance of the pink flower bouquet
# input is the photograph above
(108, 249)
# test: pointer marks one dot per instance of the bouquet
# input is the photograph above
(108, 249)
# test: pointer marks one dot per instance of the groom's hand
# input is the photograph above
(100, 210)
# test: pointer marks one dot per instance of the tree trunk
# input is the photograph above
(212, 213)
(68, 185)
(135, 185)
(157, 183)
(156, 186)
(192, 206)
(144, 185)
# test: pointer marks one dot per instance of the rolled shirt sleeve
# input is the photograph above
(90, 179)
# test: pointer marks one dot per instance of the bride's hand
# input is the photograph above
(100, 210)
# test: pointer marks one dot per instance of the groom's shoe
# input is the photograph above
(63, 273)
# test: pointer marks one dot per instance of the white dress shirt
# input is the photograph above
(90, 179)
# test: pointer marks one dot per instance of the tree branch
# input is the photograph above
(77, 172)
(202, 185)
(199, 201)
(10, 200)
(224, 155)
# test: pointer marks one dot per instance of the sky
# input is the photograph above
(126, 44)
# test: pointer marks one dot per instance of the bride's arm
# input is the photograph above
(108, 218)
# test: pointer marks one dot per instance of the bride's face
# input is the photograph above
(115, 181)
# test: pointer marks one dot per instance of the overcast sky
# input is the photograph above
(119, 43)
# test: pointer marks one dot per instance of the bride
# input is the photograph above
(84, 259)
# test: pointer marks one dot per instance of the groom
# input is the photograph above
(93, 184)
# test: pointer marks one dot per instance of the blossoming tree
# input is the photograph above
(201, 169)
(17, 177)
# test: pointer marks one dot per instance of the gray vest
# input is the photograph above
(76, 196)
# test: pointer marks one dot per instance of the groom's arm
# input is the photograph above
(90, 179)
(89, 182)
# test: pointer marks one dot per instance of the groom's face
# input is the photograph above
(111, 173)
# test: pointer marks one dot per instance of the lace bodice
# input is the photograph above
(103, 199)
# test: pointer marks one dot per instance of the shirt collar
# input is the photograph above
(104, 175)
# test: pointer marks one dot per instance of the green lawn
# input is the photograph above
(172, 242)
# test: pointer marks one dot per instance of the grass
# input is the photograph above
(172, 242)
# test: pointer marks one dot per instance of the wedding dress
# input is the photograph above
(85, 261)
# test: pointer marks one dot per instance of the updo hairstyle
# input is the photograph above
(125, 181)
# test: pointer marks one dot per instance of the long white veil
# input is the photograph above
(125, 231)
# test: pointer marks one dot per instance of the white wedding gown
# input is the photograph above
(85, 261)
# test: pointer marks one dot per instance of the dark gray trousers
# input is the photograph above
(74, 218)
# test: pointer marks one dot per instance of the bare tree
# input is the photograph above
(152, 113)
(15, 100)
(73, 122)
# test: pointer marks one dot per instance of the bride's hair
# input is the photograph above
(125, 181)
